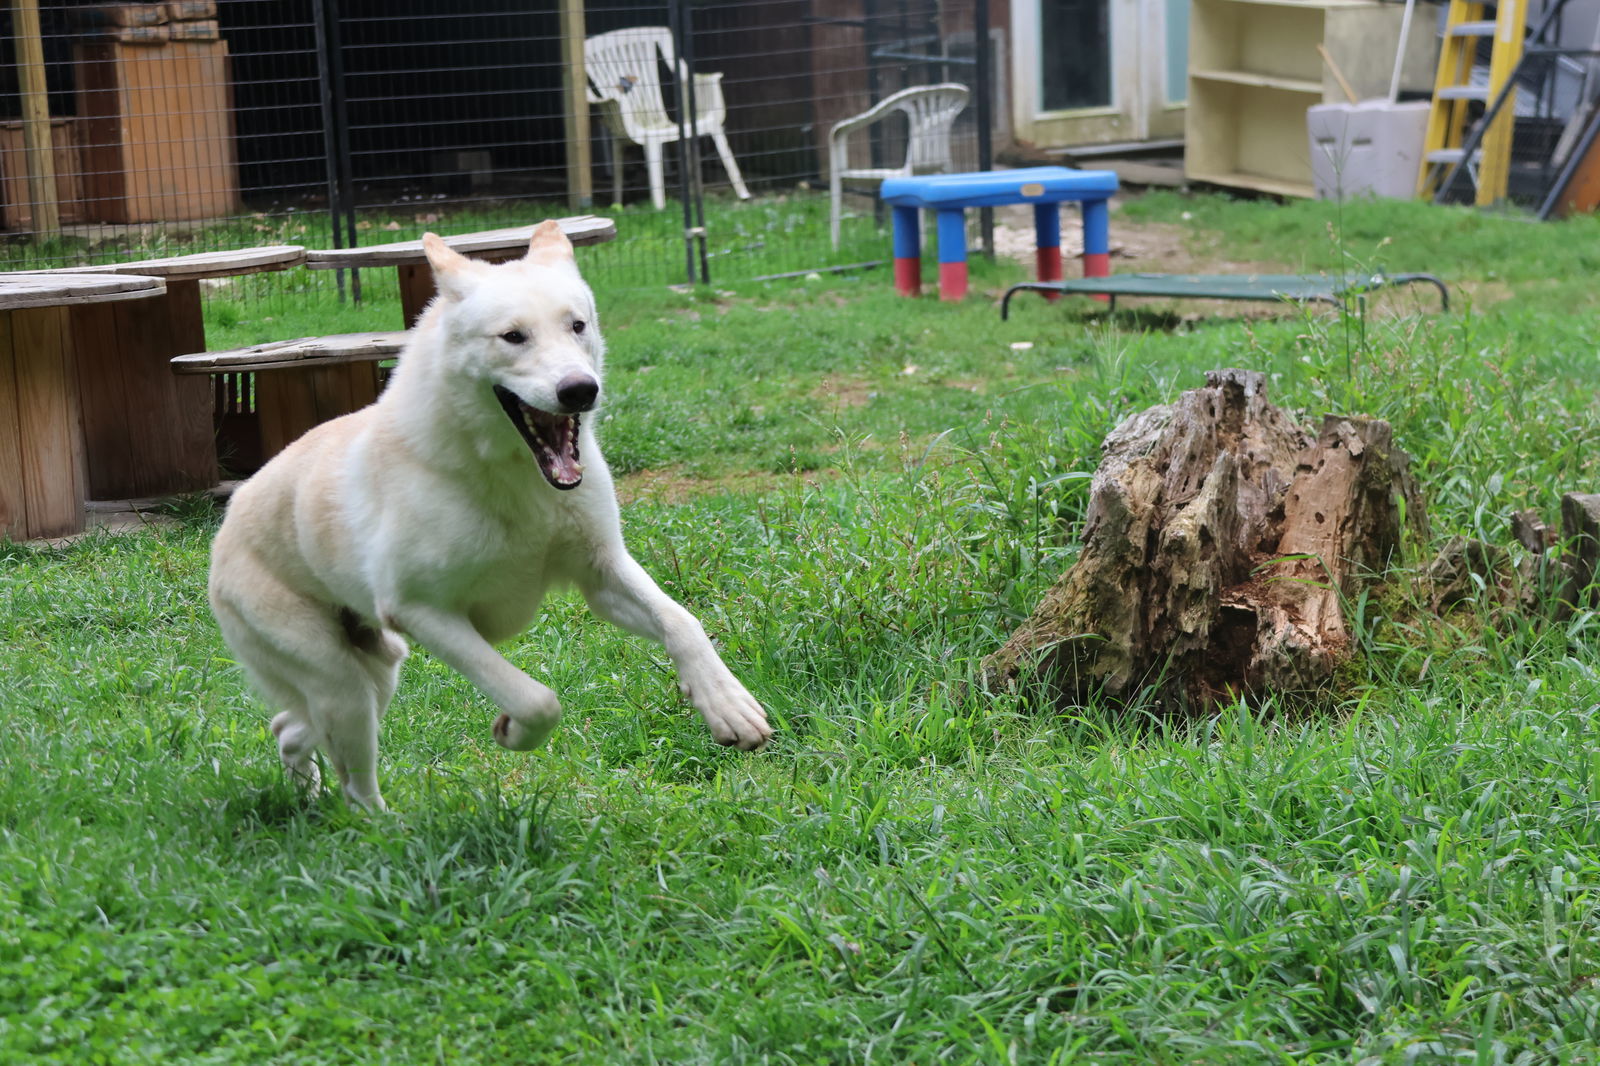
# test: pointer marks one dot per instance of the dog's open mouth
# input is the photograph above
(552, 438)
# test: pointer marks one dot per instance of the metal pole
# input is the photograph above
(675, 23)
(330, 152)
(697, 189)
(341, 133)
(985, 93)
(869, 38)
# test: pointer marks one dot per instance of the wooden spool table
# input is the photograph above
(42, 455)
(148, 432)
(301, 383)
(411, 262)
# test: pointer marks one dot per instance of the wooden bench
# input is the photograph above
(146, 432)
(411, 262)
(267, 395)
(275, 392)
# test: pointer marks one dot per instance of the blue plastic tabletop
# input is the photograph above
(996, 187)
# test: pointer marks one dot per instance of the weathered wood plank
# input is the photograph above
(291, 402)
(286, 407)
(1580, 529)
(102, 395)
(196, 438)
(416, 290)
(47, 402)
(149, 401)
(13, 505)
(54, 289)
(300, 352)
(222, 264)
(580, 230)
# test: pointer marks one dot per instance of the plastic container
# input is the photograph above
(1372, 148)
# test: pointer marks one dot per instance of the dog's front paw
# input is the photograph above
(515, 736)
(734, 717)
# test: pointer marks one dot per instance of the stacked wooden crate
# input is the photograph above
(18, 201)
(155, 109)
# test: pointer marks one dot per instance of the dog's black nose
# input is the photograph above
(577, 392)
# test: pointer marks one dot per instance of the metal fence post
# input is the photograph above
(336, 136)
(688, 106)
(675, 24)
(985, 79)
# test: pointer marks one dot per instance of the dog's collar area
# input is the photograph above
(553, 439)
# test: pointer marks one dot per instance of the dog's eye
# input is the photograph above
(513, 336)
(579, 325)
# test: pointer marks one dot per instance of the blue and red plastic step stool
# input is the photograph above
(951, 194)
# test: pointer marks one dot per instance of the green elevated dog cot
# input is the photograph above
(1320, 288)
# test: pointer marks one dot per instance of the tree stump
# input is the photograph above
(1580, 526)
(1221, 542)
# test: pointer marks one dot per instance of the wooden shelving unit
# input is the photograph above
(1254, 70)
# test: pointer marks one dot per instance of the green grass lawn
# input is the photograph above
(860, 495)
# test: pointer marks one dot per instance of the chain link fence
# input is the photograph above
(221, 124)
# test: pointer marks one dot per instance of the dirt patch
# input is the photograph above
(838, 391)
(672, 486)
(1156, 247)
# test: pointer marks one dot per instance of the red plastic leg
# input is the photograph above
(952, 281)
(1098, 265)
(908, 277)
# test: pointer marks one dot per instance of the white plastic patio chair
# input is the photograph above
(623, 69)
(930, 112)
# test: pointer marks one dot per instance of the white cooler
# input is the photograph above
(1373, 148)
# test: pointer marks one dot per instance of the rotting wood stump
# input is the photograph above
(1220, 545)
(1557, 577)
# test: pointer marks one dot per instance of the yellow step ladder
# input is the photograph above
(1453, 90)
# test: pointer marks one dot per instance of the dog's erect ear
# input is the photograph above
(549, 246)
(450, 267)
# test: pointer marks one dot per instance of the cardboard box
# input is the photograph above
(204, 30)
(123, 15)
(190, 10)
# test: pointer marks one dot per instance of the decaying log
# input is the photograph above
(1220, 543)
(1556, 577)
(1580, 531)
(1463, 569)
(1530, 531)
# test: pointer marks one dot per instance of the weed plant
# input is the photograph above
(860, 495)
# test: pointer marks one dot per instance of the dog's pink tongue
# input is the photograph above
(565, 468)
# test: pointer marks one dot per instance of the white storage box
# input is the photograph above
(1372, 148)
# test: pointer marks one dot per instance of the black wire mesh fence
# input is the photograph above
(221, 124)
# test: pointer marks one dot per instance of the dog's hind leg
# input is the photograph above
(349, 714)
(332, 679)
(297, 738)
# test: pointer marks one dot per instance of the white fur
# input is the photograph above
(425, 515)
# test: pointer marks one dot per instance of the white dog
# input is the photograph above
(442, 513)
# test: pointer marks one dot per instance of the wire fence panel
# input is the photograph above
(139, 130)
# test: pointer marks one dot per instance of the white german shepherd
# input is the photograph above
(442, 513)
